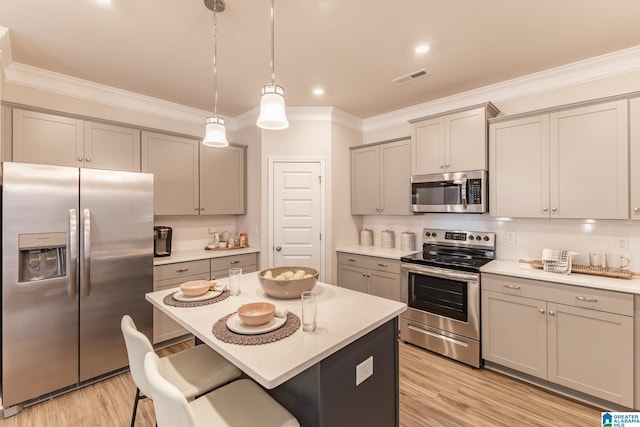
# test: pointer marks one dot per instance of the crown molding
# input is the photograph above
(608, 65)
(5, 50)
(37, 78)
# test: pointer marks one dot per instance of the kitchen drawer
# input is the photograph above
(180, 269)
(225, 271)
(159, 285)
(371, 263)
(577, 296)
(227, 262)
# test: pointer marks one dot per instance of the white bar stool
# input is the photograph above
(239, 404)
(192, 372)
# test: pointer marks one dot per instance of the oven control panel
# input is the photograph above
(459, 238)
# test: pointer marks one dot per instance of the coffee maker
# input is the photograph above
(161, 241)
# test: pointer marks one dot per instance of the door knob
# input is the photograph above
(278, 248)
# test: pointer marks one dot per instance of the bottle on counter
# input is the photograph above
(243, 240)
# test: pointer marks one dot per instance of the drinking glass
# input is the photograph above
(234, 280)
(309, 310)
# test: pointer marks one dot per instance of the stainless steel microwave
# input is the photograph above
(459, 192)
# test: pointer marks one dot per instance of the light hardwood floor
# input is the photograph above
(434, 391)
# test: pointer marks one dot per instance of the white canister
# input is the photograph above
(387, 239)
(366, 237)
(407, 241)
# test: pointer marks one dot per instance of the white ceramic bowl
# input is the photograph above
(195, 288)
(287, 289)
(256, 313)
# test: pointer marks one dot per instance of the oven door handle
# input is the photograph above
(437, 272)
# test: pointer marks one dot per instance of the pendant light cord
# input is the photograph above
(215, 55)
(273, 66)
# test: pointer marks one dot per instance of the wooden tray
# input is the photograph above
(587, 269)
(224, 249)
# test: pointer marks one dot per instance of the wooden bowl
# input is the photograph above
(195, 288)
(287, 289)
(256, 313)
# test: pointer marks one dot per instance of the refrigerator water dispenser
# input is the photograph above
(42, 256)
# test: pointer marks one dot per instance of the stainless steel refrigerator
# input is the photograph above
(77, 254)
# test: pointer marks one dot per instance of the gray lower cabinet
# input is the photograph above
(172, 275)
(575, 337)
(372, 275)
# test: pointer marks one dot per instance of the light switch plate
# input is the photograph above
(364, 370)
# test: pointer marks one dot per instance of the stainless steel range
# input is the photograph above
(441, 287)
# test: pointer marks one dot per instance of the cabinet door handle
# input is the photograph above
(541, 310)
(382, 265)
(88, 160)
(446, 165)
(554, 209)
(552, 313)
(235, 262)
(80, 159)
(182, 270)
(441, 166)
(510, 286)
(586, 299)
(636, 210)
(545, 209)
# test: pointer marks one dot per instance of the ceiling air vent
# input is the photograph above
(411, 76)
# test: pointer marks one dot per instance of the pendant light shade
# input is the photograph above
(272, 115)
(272, 109)
(215, 133)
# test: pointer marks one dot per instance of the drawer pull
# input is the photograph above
(182, 270)
(235, 262)
(351, 260)
(382, 265)
(510, 286)
(586, 299)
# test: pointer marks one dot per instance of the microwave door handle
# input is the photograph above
(463, 190)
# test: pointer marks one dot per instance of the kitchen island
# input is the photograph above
(313, 374)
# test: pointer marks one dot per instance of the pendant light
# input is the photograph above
(215, 135)
(272, 110)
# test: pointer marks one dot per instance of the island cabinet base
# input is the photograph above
(326, 395)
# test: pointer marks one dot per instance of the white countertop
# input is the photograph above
(343, 317)
(196, 254)
(376, 251)
(526, 271)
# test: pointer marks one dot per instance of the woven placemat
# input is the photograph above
(170, 300)
(223, 333)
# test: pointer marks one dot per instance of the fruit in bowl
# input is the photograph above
(256, 313)
(287, 282)
(195, 288)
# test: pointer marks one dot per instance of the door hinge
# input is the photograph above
(320, 236)
(320, 179)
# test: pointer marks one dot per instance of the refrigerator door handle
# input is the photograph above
(85, 282)
(73, 253)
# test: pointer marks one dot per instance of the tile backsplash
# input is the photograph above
(527, 237)
(193, 232)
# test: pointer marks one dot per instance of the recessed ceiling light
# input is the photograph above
(318, 91)
(423, 48)
(104, 1)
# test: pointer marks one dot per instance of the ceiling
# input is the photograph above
(352, 48)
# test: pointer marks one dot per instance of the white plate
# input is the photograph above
(179, 296)
(235, 325)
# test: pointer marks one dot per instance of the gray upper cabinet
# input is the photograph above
(569, 163)
(634, 117)
(173, 161)
(193, 180)
(380, 179)
(65, 141)
(452, 142)
(222, 180)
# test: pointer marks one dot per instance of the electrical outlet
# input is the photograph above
(364, 370)
(511, 237)
(622, 243)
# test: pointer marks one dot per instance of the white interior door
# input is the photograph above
(297, 214)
